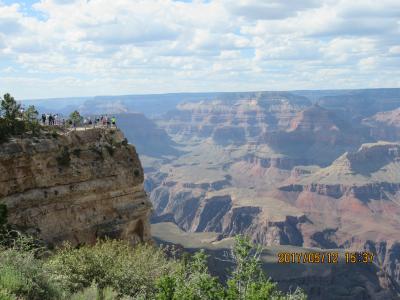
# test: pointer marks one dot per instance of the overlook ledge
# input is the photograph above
(75, 186)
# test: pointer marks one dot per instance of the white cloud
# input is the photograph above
(74, 47)
(268, 10)
(395, 50)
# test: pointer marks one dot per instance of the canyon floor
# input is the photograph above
(319, 280)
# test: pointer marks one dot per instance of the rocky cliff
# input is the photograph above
(76, 186)
(385, 125)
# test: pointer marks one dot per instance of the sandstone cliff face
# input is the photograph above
(75, 186)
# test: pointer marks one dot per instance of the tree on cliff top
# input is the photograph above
(15, 122)
(75, 117)
(10, 122)
(9, 108)
(30, 117)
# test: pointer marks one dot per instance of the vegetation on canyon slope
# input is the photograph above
(113, 269)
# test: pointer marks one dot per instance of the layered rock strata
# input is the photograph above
(75, 186)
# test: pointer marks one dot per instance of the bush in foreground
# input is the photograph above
(128, 271)
(247, 280)
(113, 269)
(22, 276)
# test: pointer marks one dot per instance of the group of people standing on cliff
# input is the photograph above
(57, 120)
(100, 121)
(51, 120)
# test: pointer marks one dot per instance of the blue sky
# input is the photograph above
(61, 48)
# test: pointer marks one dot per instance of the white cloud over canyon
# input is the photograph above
(52, 48)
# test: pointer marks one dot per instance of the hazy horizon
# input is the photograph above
(205, 92)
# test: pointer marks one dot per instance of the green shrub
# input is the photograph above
(114, 269)
(116, 264)
(92, 293)
(136, 172)
(75, 118)
(6, 295)
(30, 117)
(247, 280)
(22, 276)
(191, 281)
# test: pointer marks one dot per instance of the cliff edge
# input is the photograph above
(75, 186)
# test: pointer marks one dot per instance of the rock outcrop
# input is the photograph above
(75, 186)
(385, 125)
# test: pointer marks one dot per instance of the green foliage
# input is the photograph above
(10, 109)
(247, 280)
(13, 239)
(247, 270)
(22, 276)
(6, 295)
(30, 117)
(92, 293)
(64, 158)
(13, 122)
(191, 281)
(114, 269)
(116, 264)
(76, 118)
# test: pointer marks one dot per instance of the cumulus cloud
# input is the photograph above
(265, 10)
(80, 47)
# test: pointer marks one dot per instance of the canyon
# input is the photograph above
(284, 170)
(299, 170)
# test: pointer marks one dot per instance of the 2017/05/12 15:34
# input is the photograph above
(331, 257)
